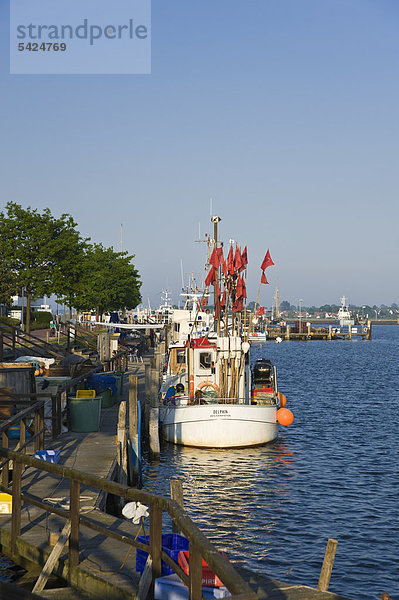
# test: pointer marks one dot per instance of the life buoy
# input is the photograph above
(208, 384)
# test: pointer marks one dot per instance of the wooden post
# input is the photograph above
(1, 346)
(147, 399)
(36, 429)
(122, 445)
(176, 493)
(16, 505)
(287, 332)
(155, 540)
(330, 332)
(368, 337)
(41, 421)
(195, 587)
(134, 474)
(349, 331)
(326, 569)
(74, 510)
(22, 435)
(154, 433)
(6, 467)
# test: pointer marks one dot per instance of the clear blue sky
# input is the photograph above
(284, 112)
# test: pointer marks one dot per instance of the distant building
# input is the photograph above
(39, 304)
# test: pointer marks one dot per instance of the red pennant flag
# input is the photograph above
(230, 261)
(263, 278)
(237, 260)
(267, 261)
(210, 277)
(216, 286)
(239, 287)
(219, 252)
(214, 260)
(238, 305)
(244, 257)
(244, 289)
(223, 300)
(224, 268)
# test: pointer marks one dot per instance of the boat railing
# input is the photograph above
(205, 400)
(200, 547)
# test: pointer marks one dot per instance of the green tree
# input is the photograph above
(110, 281)
(285, 305)
(8, 282)
(33, 245)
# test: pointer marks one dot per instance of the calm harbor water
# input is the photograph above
(332, 474)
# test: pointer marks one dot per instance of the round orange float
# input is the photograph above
(285, 416)
(282, 399)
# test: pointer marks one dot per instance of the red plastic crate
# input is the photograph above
(209, 578)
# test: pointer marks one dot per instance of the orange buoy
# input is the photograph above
(282, 399)
(191, 386)
(37, 372)
(285, 416)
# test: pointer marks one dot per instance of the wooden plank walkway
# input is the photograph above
(94, 453)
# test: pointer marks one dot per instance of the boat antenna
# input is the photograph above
(182, 275)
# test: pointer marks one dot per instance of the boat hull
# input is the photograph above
(219, 425)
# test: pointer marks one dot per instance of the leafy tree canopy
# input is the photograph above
(110, 281)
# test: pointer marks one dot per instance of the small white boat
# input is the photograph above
(344, 315)
(257, 336)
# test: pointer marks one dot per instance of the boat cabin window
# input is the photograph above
(177, 327)
(181, 357)
(205, 360)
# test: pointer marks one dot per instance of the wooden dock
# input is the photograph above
(95, 563)
(94, 454)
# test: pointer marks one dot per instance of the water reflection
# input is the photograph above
(222, 492)
(333, 473)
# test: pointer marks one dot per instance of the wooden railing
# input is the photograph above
(14, 338)
(199, 546)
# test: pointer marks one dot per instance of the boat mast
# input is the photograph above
(215, 220)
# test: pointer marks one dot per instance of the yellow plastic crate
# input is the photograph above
(85, 393)
(5, 504)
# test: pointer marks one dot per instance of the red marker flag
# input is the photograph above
(223, 300)
(238, 305)
(230, 261)
(216, 286)
(210, 277)
(214, 260)
(267, 261)
(239, 287)
(244, 257)
(263, 278)
(238, 260)
(219, 252)
(224, 268)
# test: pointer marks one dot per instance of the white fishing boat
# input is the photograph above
(344, 315)
(211, 397)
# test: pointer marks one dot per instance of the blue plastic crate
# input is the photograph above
(172, 543)
(52, 456)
